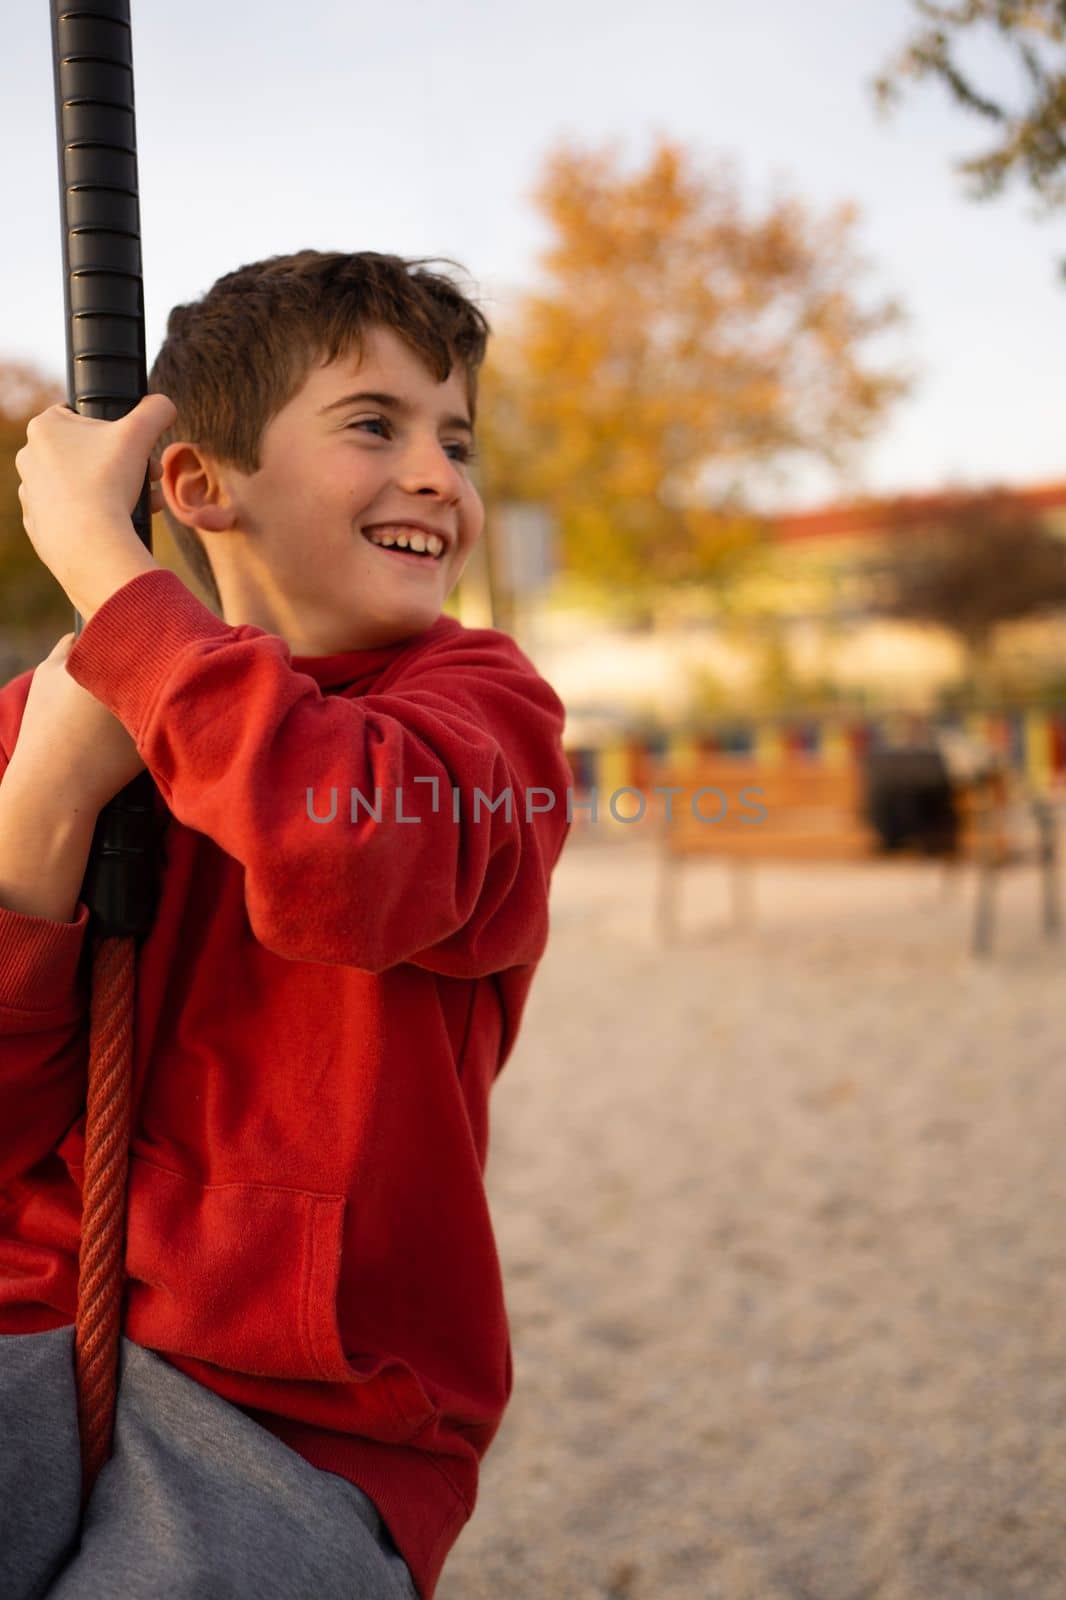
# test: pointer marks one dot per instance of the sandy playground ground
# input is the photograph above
(781, 1220)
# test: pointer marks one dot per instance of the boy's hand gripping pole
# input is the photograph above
(106, 377)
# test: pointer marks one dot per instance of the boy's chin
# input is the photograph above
(399, 622)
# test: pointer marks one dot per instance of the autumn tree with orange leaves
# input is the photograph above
(675, 337)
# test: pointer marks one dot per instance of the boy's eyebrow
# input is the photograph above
(394, 403)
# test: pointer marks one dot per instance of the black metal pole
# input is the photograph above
(106, 367)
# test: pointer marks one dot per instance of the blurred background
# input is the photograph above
(772, 452)
(771, 404)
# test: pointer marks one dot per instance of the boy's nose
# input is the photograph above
(441, 480)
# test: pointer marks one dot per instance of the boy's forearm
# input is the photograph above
(44, 849)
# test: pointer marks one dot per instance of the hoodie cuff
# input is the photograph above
(127, 648)
(39, 960)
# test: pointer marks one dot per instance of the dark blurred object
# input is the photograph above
(910, 801)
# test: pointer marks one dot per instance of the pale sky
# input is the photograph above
(420, 129)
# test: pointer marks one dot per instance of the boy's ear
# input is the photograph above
(193, 488)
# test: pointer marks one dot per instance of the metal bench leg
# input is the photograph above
(987, 865)
(1049, 870)
(982, 938)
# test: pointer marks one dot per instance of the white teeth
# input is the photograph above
(413, 540)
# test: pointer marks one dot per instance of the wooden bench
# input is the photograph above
(798, 811)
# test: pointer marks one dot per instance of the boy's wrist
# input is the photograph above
(118, 556)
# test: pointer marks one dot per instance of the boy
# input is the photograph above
(315, 1351)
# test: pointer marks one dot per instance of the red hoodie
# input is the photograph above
(321, 1009)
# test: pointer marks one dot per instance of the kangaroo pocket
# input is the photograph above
(246, 1276)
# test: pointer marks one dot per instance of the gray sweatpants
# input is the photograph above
(197, 1501)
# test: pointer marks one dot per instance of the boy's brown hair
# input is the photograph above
(231, 360)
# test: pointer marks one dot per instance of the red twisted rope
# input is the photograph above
(101, 1254)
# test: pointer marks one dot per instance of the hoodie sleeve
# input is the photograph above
(417, 824)
(44, 1031)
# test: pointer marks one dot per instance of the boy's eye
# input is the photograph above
(465, 451)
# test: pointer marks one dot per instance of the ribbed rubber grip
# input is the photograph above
(99, 206)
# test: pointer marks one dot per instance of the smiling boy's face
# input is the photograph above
(288, 543)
